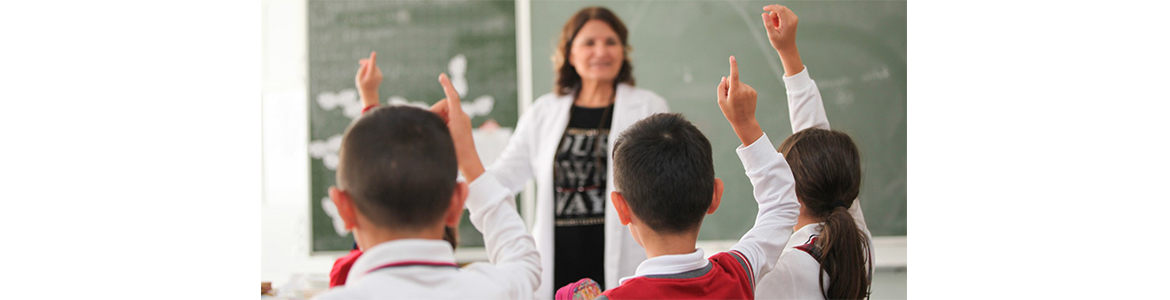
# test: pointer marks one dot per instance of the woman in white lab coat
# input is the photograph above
(562, 142)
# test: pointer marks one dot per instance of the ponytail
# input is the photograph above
(843, 250)
(827, 168)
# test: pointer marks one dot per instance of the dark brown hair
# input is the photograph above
(398, 164)
(827, 169)
(663, 168)
(567, 77)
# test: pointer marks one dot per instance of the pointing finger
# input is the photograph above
(453, 101)
(733, 78)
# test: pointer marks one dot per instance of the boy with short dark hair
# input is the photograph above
(665, 181)
(397, 190)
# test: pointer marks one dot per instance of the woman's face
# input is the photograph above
(597, 52)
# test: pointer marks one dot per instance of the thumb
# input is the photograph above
(768, 27)
(440, 108)
(722, 90)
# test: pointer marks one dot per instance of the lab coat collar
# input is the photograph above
(670, 264)
(404, 250)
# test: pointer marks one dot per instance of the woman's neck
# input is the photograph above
(595, 94)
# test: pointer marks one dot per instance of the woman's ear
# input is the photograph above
(455, 211)
(619, 205)
(345, 207)
(718, 195)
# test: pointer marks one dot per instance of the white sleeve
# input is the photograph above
(804, 102)
(513, 168)
(808, 111)
(509, 245)
(773, 187)
(858, 217)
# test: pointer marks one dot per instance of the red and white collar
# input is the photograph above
(402, 252)
(670, 264)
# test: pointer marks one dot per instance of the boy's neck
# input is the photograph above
(668, 244)
(370, 237)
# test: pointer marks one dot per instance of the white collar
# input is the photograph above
(404, 250)
(670, 264)
(801, 236)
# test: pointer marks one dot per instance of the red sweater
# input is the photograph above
(727, 277)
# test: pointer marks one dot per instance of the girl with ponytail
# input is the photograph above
(829, 256)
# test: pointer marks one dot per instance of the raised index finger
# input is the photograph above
(452, 95)
(734, 76)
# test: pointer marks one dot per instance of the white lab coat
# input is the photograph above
(530, 154)
(797, 273)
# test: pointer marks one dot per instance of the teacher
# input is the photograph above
(563, 142)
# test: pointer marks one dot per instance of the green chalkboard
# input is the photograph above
(473, 41)
(855, 50)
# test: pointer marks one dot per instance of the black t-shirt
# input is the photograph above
(579, 175)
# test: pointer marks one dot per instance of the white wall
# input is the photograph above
(284, 213)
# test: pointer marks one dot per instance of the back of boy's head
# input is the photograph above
(826, 166)
(663, 168)
(398, 166)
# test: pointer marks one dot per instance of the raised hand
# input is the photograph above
(368, 78)
(780, 24)
(459, 123)
(737, 100)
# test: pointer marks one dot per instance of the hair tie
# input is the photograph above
(838, 203)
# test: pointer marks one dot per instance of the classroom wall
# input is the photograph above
(284, 213)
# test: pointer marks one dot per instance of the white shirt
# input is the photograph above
(775, 194)
(530, 153)
(513, 271)
(797, 273)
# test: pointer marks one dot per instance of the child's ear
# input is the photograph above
(716, 197)
(619, 205)
(455, 211)
(345, 207)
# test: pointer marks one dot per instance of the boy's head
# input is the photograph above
(397, 173)
(664, 177)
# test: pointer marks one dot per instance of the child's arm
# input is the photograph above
(804, 99)
(805, 106)
(771, 178)
(509, 245)
(368, 77)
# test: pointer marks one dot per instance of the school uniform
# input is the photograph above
(535, 145)
(797, 274)
(425, 269)
(732, 274)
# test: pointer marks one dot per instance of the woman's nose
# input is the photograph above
(599, 50)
